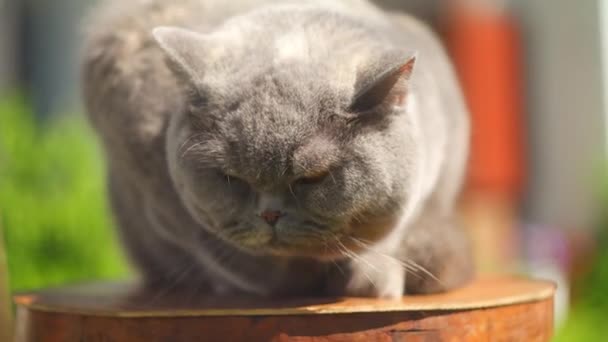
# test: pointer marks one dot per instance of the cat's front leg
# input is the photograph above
(371, 274)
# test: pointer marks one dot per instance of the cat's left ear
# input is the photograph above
(387, 89)
(186, 51)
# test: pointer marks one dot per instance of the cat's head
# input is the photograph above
(289, 156)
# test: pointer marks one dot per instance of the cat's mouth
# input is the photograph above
(326, 247)
(309, 240)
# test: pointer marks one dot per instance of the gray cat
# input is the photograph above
(280, 147)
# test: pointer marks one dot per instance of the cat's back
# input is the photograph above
(126, 26)
(123, 69)
(120, 56)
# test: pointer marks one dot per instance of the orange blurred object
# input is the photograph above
(484, 44)
(485, 47)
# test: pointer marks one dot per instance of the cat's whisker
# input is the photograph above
(328, 248)
(293, 194)
(409, 265)
(356, 218)
(177, 276)
(355, 256)
(425, 271)
(338, 267)
(284, 172)
(222, 256)
(408, 268)
(332, 177)
(365, 241)
(190, 148)
(345, 252)
(188, 140)
(388, 257)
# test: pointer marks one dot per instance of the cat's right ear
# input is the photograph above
(185, 50)
(386, 90)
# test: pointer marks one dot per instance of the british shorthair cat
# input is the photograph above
(280, 147)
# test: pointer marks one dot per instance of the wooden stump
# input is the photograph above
(505, 309)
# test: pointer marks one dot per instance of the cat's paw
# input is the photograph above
(369, 276)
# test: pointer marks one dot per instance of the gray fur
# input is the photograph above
(211, 113)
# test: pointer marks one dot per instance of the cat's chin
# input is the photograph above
(326, 253)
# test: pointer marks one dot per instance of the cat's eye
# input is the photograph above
(312, 179)
(196, 101)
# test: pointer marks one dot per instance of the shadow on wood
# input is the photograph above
(512, 309)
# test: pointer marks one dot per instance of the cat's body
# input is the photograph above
(268, 77)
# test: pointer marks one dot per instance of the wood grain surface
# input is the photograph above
(503, 309)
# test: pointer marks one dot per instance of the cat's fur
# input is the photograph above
(345, 119)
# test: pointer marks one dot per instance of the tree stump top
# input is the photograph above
(508, 306)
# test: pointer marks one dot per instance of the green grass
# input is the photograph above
(52, 201)
(587, 318)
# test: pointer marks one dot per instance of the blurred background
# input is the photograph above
(535, 75)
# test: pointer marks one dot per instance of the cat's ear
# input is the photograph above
(185, 50)
(386, 89)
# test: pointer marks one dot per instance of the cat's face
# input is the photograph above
(280, 161)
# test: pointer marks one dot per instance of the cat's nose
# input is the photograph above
(271, 216)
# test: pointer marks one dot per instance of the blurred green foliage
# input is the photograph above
(587, 317)
(52, 203)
